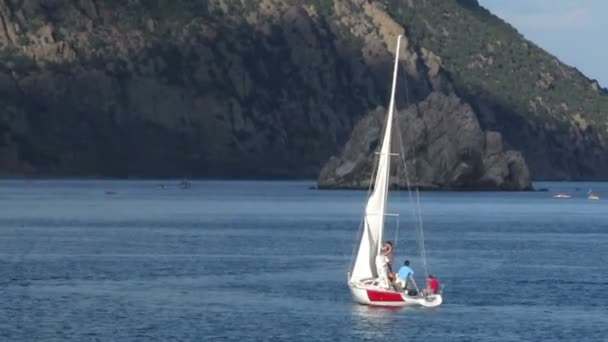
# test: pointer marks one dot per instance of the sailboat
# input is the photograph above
(592, 196)
(367, 286)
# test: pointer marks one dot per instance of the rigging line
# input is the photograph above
(421, 232)
(420, 222)
(407, 181)
(417, 212)
(397, 185)
(396, 232)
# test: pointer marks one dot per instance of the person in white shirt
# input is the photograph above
(384, 265)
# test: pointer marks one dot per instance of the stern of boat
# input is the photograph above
(431, 301)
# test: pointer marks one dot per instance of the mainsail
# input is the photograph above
(375, 210)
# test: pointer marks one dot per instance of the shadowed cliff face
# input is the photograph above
(442, 147)
(555, 149)
(243, 88)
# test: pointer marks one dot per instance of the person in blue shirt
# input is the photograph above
(405, 275)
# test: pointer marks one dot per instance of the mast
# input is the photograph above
(375, 210)
(384, 164)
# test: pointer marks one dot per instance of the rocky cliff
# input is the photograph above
(172, 88)
(273, 88)
(442, 147)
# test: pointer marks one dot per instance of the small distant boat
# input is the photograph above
(185, 184)
(110, 192)
(562, 196)
(592, 196)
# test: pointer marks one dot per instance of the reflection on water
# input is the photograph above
(373, 322)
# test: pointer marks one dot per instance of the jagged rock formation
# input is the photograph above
(443, 147)
(272, 88)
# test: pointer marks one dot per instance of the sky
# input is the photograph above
(575, 31)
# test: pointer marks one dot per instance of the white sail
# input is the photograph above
(375, 210)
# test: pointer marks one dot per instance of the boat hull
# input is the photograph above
(375, 296)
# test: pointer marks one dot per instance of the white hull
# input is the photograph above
(370, 260)
(376, 296)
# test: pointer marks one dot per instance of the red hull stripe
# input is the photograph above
(379, 296)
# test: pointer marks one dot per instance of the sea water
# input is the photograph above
(267, 261)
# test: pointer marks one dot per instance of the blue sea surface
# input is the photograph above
(88, 260)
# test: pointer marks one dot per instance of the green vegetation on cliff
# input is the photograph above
(553, 114)
(485, 55)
